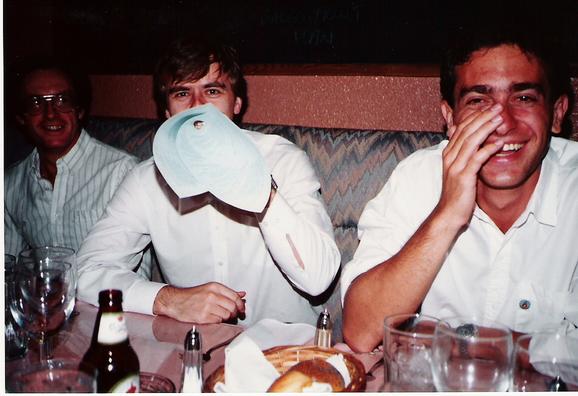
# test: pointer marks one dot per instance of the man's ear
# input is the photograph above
(20, 119)
(80, 114)
(238, 105)
(167, 114)
(560, 109)
(448, 114)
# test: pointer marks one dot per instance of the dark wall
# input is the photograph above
(121, 36)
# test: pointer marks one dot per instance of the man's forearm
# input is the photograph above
(397, 285)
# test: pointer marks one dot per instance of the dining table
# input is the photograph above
(159, 342)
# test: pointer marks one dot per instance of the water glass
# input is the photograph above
(15, 338)
(545, 361)
(45, 254)
(407, 352)
(471, 355)
(53, 376)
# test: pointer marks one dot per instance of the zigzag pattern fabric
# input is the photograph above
(353, 166)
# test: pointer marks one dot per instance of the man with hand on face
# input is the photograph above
(221, 263)
(55, 195)
(484, 224)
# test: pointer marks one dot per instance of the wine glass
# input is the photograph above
(471, 355)
(59, 253)
(545, 361)
(15, 338)
(407, 345)
(40, 301)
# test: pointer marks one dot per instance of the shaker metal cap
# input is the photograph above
(193, 340)
(324, 320)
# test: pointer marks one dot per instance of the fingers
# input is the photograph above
(223, 302)
(470, 134)
(208, 303)
(480, 122)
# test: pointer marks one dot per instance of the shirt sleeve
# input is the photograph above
(114, 247)
(296, 227)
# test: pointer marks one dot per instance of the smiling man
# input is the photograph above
(55, 195)
(483, 224)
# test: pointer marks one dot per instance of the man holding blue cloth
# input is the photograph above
(235, 216)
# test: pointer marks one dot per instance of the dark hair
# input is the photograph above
(19, 71)
(190, 58)
(532, 41)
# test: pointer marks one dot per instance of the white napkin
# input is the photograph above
(246, 369)
(202, 150)
(268, 333)
(556, 353)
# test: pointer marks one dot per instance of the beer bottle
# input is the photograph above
(110, 353)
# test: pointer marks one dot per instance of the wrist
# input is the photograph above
(161, 302)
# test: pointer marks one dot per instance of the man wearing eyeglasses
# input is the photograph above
(56, 194)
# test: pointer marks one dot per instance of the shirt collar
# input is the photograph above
(77, 152)
(543, 203)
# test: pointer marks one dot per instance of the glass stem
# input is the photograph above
(45, 348)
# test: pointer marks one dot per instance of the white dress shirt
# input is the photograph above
(523, 278)
(38, 214)
(217, 243)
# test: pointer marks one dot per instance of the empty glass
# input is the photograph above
(546, 361)
(40, 301)
(46, 254)
(53, 376)
(407, 344)
(471, 355)
(15, 337)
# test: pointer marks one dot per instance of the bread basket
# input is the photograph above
(284, 357)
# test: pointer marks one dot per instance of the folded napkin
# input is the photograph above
(268, 333)
(201, 150)
(248, 371)
(556, 353)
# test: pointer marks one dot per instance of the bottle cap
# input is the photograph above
(193, 340)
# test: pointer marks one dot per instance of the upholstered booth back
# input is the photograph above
(352, 165)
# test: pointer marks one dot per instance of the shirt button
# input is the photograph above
(220, 263)
(525, 304)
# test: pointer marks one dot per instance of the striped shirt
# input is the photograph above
(36, 214)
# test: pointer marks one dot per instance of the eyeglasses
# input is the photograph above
(63, 103)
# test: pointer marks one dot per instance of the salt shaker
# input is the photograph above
(192, 373)
(324, 330)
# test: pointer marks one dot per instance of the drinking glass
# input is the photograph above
(407, 344)
(545, 361)
(471, 355)
(53, 376)
(15, 338)
(40, 301)
(48, 253)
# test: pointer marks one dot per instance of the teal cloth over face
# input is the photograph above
(201, 150)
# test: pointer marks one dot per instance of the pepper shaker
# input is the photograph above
(324, 330)
(192, 372)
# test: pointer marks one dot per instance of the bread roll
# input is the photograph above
(304, 374)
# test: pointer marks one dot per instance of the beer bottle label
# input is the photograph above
(112, 328)
(129, 384)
